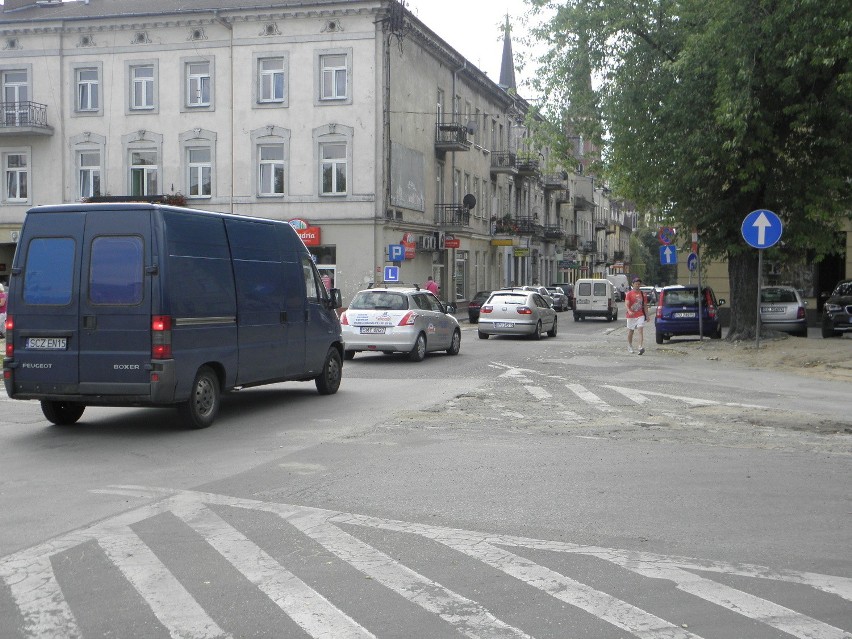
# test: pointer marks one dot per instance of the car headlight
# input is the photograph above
(832, 308)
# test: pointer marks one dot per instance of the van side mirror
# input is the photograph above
(335, 299)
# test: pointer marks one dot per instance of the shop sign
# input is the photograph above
(498, 241)
(452, 242)
(410, 244)
(311, 235)
(521, 252)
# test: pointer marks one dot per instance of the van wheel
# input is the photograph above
(201, 408)
(455, 345)
(332, 371)
(552, 331)
(483, 335)
(62, 413)
(418, 353)
(347, 355)
(576, 317)
(659, 338)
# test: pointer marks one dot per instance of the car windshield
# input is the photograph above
(379, 301)
(777, 295)
(844, 288)
(508, 299)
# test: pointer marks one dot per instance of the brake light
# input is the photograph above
(344, 321)
(408, 319)
(524, 310)
(800, 314)
(659, 312)
(486, 309)
(161, 337)
(10, 343)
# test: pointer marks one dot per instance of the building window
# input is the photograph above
(142, 87)
(200, 178)
(143, 173)
(334, 75)
(16, 94)
(271, 80)
(16, 166)
(198, 84)
(89, 183)
(333, 168)
(271, 169)
(87, 90)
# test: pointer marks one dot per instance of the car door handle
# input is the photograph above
(90, 322)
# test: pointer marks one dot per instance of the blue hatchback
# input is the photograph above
(677, 312)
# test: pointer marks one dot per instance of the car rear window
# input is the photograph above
(681, 297)
(49, 272)
(508, 298)
(116, 272)
(379, 301)
(777, 295)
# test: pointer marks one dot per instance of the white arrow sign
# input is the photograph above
(761, 223)
(668, 252)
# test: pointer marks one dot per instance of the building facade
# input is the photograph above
(349, 118)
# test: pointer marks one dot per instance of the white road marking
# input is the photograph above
(590, 398)
(538, 392)
(692, 401)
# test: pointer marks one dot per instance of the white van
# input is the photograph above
(595, 298)
(619, 281)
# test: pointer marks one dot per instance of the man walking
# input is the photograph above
(637, 315)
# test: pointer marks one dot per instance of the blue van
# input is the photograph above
(146, 305)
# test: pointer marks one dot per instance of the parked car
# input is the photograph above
(399, 320)
(516, 312)
(837, 310)
(783, 309)
(677, 312)
(650, 294)
(568, 289)
(595, 298)
(560, 300)
(475, 304)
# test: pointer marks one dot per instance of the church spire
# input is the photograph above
(507, 67)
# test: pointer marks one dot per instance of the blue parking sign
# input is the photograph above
(391, 274)
(396, 253)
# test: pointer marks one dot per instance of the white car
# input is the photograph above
(399, 320)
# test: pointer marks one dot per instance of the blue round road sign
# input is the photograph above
(692, 261)
(762, 229)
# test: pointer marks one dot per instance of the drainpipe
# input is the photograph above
(230, 29)
(450, 274)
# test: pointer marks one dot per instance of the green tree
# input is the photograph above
(708, 110)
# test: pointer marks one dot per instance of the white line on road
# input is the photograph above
(692, 401)
(538, 392)
(589, 397)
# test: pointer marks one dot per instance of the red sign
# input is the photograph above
(410, 245)
(310, 235)
(452, 242)
(666, 235)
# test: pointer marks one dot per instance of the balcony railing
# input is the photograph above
(618, 255)
(551, 181)
(24, 117)
(452, 136)
(600, 225)
(572, 241)
(581, 203)
(528, 165)
(503, 162)
(554, 231)
(452, 215)
(529, 226)
(589, 246)
(562, 196)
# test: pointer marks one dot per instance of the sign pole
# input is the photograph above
(759, 286)
(700, 314)
(761, 229)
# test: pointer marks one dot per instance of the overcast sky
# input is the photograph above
(474, 29)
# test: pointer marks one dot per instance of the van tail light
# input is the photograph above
(659, 312)
(408, 319)
(609, 304)
(486, 309)
(800, 314)
(10, 343)
(344, 321)
(161, 337)
(524, 310)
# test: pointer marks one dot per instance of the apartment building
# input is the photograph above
(350, 119)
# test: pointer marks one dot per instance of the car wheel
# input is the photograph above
(718, 333)
(472, 319)
(552, 331)
(348, 355)
(201, 408)
(659, 338)
(482, 335)
(418, 353)
(576, 317)
(828, 332)
(536, 335)
(455, 345)
(62, 413)
(328, 381)
(803, 333)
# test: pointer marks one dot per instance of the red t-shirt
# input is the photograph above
(636, 303)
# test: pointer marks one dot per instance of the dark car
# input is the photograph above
(475, 305)
(837, 310)
(677, 312)
(568, 289)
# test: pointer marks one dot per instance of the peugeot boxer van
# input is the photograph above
(595, 298)
(149, 305)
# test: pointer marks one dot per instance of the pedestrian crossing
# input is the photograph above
(48, 608)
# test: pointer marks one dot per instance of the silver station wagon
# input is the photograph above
(516, 312)
(399, 320)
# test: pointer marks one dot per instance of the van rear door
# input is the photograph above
(45, 303)
(115, 302)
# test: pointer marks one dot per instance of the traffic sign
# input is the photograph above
(391, 274)
(668, 255)
(396, 252)
(692, 261)
(762, 229)
(666, 235)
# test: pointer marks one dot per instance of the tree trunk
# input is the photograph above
(742, 275)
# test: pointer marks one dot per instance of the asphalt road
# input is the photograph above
(559, 488)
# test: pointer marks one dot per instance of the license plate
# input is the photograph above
(47, 343)
(373, 330)
(771, 309)
(504, 324)
(683, 314)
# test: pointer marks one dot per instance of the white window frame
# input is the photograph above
(88, 143)
(87, 94)
(325, 70)
(15, 92)
(145, 171)
(194, 140)
(269, 70)
(329, 135)
(265, 168)
(333, 166)
(88, 173)
(199, 172)
(194, 81)
(16, 179)
(150, 87)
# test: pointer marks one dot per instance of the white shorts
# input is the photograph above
(635, 322)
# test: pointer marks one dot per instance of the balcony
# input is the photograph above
(582, 204)
(588, 246)
(618, 256)
(562, 196)
(452, 216)
(529, 226)
(24, 118)
(452, 136)
(528, 165)
(600, 225)
(503, 162)
(599, 258)
(553, 181)
(572, 241)
(553, 232)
